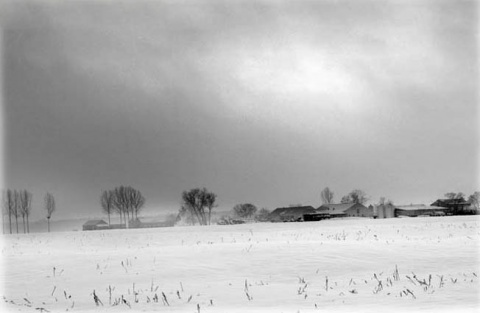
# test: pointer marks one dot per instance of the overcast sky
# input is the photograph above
(266, 102)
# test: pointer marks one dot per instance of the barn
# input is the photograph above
(290, 214)
(346, 209)
(95, 225)
(414, 210)
(454, 206)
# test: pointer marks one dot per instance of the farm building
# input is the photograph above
(312, 217)
(290, 214)
(385, 211)
(413, 210)
(95, 225)
(457, 205)
(346, 209)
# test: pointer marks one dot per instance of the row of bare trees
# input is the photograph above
(355, 196)
(18, 204)
(124, 200)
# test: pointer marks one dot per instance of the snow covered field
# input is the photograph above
(336, 265)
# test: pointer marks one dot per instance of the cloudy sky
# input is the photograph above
(265, 102)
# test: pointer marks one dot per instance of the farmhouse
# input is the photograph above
(346, 209)
(290, 214)
(95, 225)
(452, 205)
(413, 210)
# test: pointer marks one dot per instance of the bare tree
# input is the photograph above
(128, 201)
(262, 215)
(209, 198)
(25, 208)
(8, 205)
(327, 196)
(187, 215)
(474, 200)
(195, 201)
(355, 196)
(346, 199)
(49, 207)
(121, 202)
(244, 210)
(106, 201)
(137, 200)
(16, 206)
(454, 195)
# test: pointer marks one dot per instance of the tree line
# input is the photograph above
(18, 204)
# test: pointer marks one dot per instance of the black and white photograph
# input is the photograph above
(214, 156)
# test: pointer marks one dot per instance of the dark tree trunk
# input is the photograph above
(10, 220)
(48, 223)
(16, 221)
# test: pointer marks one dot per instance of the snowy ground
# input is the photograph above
(261, 267)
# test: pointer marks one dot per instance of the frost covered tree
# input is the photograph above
(49, 207)
(244, 210)
(327, 196)
(474, 200)
(262, 215)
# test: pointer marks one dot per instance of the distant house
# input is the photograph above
(457, 205)
(346, 209)
(414, 210)
(290, 214)
(95, 225)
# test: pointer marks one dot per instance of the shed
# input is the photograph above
(290, 214)
(95, 225)
(414, 210)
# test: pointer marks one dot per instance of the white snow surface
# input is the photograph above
(263, 267)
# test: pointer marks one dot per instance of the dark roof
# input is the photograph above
(94, 222)
(452, 201)
(295, 210)
(338, 207)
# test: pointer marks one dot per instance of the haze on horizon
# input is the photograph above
(265, 102)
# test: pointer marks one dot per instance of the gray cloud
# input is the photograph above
(266, 102)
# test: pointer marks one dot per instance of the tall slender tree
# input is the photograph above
(137, 201)
(25, 208)
(49, 207)
(107, 202)
(327, 196)
(17, 207)
(8, 205)
(209, 198)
